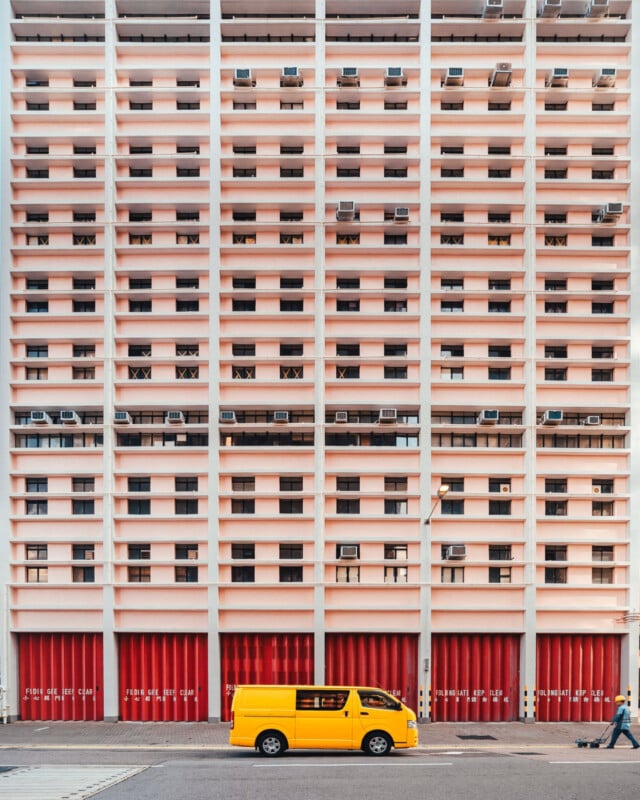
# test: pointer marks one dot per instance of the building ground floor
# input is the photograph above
(191, 676)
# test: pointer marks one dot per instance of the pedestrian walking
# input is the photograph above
(621, 724)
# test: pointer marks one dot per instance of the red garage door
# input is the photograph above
(475, 677)
(386, 660)
(60, 676)
(577, 677)
(163, 677)
(280, 658)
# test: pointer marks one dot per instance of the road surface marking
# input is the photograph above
(367, 764)
(61, 781)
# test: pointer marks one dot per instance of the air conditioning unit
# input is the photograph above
(552, 417)
(349, 77)
(69, 417)
(550, 8)
(454, 76)
(243, 77)
(394, 76)
(346, 210)
(401, 214)
(488, 416)
(281, 417)
(559, 76)
(455, 551)
(493, 9)
(505, 488)
(228, 416)
(341, 417)
(592, 419)
(598, 8)
(348, 551)
(39, 418)
(174, 417)
(122, 418)
(501, 75)
(605, 77)
(388, 415)
(291, 76)
(596, 489)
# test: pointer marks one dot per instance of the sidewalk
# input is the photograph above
(198, 736)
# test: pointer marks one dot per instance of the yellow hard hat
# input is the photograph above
(620, 698)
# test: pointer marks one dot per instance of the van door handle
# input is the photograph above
(364, 713)
(346, 713)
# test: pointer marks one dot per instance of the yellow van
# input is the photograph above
(276, 718)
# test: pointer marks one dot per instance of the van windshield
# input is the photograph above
(320, 699)
(377, 700)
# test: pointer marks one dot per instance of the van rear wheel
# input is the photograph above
(377, 744)
(271, 744)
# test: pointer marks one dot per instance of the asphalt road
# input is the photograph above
(549, 774)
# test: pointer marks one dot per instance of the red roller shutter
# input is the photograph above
(279, 658)
(475, 677)
(577, 677)
(60, 676)
(163, 677)
(386, 660)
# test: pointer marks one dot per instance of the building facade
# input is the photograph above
(318, 354)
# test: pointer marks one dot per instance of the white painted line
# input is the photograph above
(608, 761)
(37, 730)
(367, 764)
(453, 753)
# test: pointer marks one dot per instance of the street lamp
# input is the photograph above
(442, 491)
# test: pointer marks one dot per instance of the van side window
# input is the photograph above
(320, 700)
(377, 700)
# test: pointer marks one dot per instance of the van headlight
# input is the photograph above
(412, 723)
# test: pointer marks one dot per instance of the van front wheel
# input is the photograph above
(271, 744)
(377, 744)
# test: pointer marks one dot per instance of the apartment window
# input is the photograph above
(602, 241)
(555, 351)
(37, 216)
(499, 485)
(83, 552)
(395, 373)
(555, 552)
(31, 106)
(245, 505)
(602, 575)
(555, 307)
(37, 149)
(83, 484)
(555, 218)
(452, 574)
(37, 239)
(556, 174)
(396, 172)
(602, 508)
(555, 575)
(347, 349)
(347, 172)
(347, 238)
(243, 551)
(83, 373)
(499, 508)
(555, 374)
(602, 174)
(37, 306)
(555, 508)
(243, 373)
(243, 574)
(293, 349)
(395, 349)
(451, 284)
(36, 552)
(499, 240)
(139, 506)
(36, 508)
(550, 106)
(139, 484)
(296, 304)
(298, 172)
(241, 349)
(449, 506)
(186, 506)
(396, 552)
(248, 172)
(36, 373)
(602, 284)
(37, 173)
(139, 350)
(396, 574)
(602, 351)
(494, 172)
(140, 283)
(499, 574)
(394, 282)
(602, 485)
(396, 507)
(348, 372)
(397, 105)
(291, 483)
(348, 483)
(187, 105)
(139, 552)
(87, 172)
(452, 172)
(395, 238)
(140, 149)
(555, 486)
(82, 507)
(139, 574)
(140, 172)
(187, 238)
(243, 281)
(395, 306)
(602, 308)
(140, 306)
(186, 574)
(452, 238)
(240, 105)
(451, 373)
(243, 483)
(349, 505)
(347, 305)
(345, 105)
(84, 284)
(135, 105)
(84, 350)
(291, 282)
(602, 552)
(348, 574)
(186, 552)
(290, 574)
(83, 574)
(291, 373)
(83, 306)
(288, 505)
(499, 149)
(499, 106)
(184, 350)
(192, 149)
(451, 149)
(499, 351)
(37, 574)
(454, 484)
(139, 373)
(603, 106)
(499, 373)
(601, 375)
(499, 306)
(293, 149)
(452, 306)
(452, 105)
(186, 483)
(499, 284)
(38, 485)
(248, 304)
(190, 215)
(500, 552)
(501, 217)
(183, 306)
